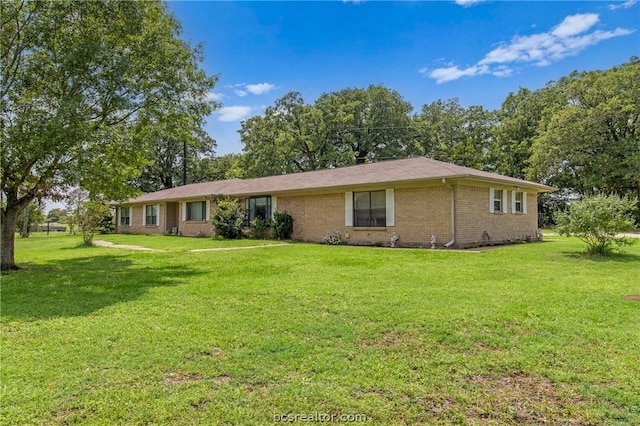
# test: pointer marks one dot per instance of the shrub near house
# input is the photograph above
(597, 221)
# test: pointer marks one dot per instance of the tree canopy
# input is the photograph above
(590, 141)
(82, 84)
(342, 128)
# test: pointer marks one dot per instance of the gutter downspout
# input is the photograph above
(453, 214)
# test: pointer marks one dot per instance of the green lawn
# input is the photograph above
(524, 334)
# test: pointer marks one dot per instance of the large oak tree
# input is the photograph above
(590, 142)
(81, 84)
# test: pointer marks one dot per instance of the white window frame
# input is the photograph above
(121, 216)
(389, 206)
(514, 202)
(207, 210)
(187, 219)
(348, 208)
(144, 215)
(503, 200)
(274, 205)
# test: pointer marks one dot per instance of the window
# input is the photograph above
(370, 209)
(125, 216)
(197, 210)
(258, 207)
(151, 214)
(497, 200)
(519, 202)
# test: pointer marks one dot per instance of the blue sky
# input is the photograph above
(477, 51)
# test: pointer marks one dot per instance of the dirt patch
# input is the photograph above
(101, 243)
(69, 415)
(634, 297)
(180, 377)
(519, 398)
(387, 340)
(222, 379)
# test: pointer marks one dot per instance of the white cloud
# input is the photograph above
(234, 113)
(502, 71)
(212, 96)
(442, 75)
(566, 39)
(243, 89)
(576, 24)
(627, 4)
(260, 88)
(353, 1)
(467, 3)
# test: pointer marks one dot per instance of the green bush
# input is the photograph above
(107, 224)
(92, 215)
(259, 228)
(597, 220)
(228, 219)
(282, 225)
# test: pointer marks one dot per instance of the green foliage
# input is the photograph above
(107, 224)
(589, 138)
(55, 215)
(30, 218)
(259, 228)
(596, 220)
(449, 132)
(342, 128)
(92, 215)
(75, 200)
(365, 125)
(85, 86)
(516, 130)
(229, 166)
(228, 219)
(282, 225)
(169, 142)
(550, 203)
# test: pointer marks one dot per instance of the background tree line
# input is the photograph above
(580, 134)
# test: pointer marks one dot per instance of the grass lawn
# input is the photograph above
(525, 334)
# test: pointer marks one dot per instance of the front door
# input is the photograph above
(172, 218)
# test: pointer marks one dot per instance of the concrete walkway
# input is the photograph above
(101, 243)
(634, 235)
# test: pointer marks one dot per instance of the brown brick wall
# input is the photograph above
(187, 228)
(137, 225)
(420, 213)
(474, 222)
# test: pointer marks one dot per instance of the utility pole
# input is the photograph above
(184, 162)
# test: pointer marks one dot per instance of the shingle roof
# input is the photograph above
(392, 171)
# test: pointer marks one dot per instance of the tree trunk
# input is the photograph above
(9, 219)
(25, 223)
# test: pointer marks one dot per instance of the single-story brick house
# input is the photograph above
(417, 199)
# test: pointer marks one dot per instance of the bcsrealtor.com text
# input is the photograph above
(318, 418)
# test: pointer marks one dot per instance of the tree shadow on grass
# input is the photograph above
(81, 286)
(615, 257)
